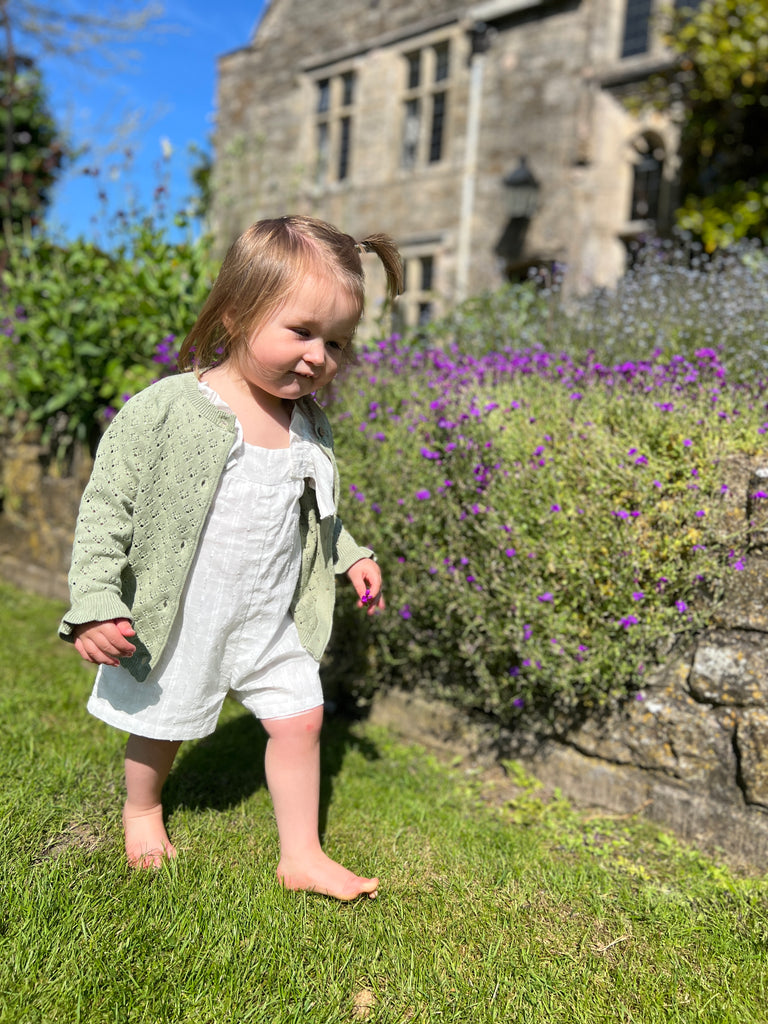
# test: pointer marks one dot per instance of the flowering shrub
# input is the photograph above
(675, 300)
(547, 524)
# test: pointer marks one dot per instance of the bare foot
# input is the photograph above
(146, 842)
(323, 875)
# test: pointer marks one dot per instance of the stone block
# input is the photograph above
(669, 733)
(752, 748)
(730, 668)
(745, 604)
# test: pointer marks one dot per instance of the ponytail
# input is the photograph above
(384, 247)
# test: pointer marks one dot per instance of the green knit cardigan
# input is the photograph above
(142, 513)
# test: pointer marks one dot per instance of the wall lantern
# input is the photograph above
(522, 192)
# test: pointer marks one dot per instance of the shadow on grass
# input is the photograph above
(224, 769)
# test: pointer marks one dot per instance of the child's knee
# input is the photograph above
(304, 726)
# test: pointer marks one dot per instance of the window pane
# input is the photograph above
(636, 23)
(424, 313)
(436, 131)
(442, 62)
(345, 133)
(323, 95)
(411, 132)
(645, 189)
(427, 273)
(348, 88)
(321, 168)
(414, 69)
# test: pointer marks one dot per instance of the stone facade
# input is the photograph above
(407, 117)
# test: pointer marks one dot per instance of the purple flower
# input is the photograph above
(629, 620)
(405, 611)
(545, 597)
(423, 495)
(638, 595)
(681, 606)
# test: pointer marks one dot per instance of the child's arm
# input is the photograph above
(104, 643)
(365, 576)
(104, 530)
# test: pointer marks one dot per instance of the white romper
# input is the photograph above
(233, 633)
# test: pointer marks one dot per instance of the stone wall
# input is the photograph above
(38, 515)
(691, 754)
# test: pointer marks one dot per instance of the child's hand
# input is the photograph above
(103, 643)
(365, 577)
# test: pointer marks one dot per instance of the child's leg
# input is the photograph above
(147, 764)
(293, 777)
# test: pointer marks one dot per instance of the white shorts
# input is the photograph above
(285, 682)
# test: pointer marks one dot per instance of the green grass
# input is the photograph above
(524, 912)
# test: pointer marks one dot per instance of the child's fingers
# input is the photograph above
(89, 651)
(105, 642)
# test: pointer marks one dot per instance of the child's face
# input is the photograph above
(298, 349)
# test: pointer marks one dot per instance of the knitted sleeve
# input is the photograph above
(104, 530)
(346, 549)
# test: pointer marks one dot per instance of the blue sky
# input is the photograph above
(162, 101)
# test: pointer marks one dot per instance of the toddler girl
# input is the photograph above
(207, 541)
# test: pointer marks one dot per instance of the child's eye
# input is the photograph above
(301, 332)
(335, 345)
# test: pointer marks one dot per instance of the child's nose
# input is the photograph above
(315, 352)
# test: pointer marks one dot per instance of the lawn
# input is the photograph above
(525, 912)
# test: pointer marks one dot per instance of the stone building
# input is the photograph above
(486, 137)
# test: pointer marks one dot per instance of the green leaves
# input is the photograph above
(81, 326)
(32, 152)
(720, 83)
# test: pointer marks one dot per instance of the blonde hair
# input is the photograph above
(262, 268)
